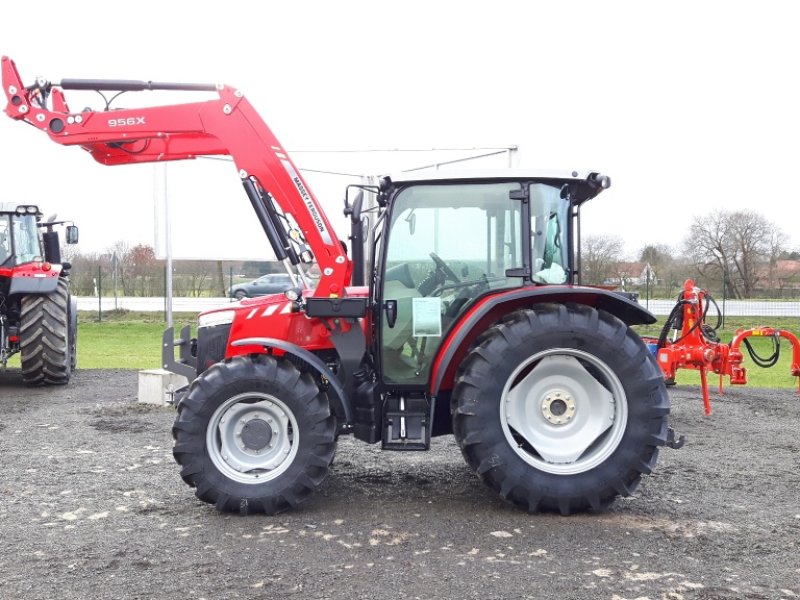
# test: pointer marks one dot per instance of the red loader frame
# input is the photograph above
(228, 125)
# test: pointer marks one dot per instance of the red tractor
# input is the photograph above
(465, 317)
(38, 316)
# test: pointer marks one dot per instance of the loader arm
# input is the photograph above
(227, 125)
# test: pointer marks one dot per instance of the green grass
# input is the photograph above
(128, 340)
(122, 340)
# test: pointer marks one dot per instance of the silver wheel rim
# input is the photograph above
(252, 438)
(563, 411)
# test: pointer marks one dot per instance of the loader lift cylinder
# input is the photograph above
(265, 220)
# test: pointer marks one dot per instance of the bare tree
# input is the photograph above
(738, 247)
(144, 269)
(599, 255)
(670, 271)
(120, 264)
(195, 276)
(220, 281)
(83, 275)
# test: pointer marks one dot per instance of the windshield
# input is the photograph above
(474, 229)
(5, 239)
(24, 242)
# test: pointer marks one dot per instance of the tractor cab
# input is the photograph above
(451, 240)
(20, 239)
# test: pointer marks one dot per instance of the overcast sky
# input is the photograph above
(688, 106)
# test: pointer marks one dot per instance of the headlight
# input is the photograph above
(222, 317)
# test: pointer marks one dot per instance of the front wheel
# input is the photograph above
(254, 435)
(560, 408)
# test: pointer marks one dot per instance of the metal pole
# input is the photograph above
(99, 294)
(512, 156)
(724, 293)
(168, 248)
(114, 263)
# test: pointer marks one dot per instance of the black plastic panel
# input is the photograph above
(336, 307)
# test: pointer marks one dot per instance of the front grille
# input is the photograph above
(211, 344)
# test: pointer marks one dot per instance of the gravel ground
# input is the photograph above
(91, 506)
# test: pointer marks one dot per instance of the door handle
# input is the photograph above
(390, 306)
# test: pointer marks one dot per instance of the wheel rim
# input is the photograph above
(252, 438)
(563, 411)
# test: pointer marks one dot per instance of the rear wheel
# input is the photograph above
(45, 337)
(254, 435)
(560, 408)
(240, 294)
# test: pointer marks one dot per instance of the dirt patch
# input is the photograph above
(92, 501)
(124, 418)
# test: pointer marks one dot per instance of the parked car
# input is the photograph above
(273, 283)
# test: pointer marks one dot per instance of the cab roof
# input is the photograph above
(585, 184)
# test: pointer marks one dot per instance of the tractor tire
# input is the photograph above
(560, 408)
(254, 435)
(73, 334)
(44, 337)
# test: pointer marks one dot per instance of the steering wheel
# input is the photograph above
(442, 266)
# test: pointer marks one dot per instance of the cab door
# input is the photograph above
(446, 244)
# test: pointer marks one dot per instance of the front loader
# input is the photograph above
(463, 315)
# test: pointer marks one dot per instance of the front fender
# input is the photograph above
(312, 361)
(490, 309)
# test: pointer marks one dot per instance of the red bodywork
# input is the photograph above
(693, 350)
(33, 270)
(273, 317)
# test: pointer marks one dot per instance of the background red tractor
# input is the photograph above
(38, 316)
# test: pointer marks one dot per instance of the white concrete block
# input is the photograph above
(155, 386)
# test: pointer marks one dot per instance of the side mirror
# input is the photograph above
(72, 234)
(355, 215)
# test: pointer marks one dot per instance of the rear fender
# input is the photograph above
(32, 278)
(490, 309)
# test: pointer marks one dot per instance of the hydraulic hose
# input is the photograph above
(769, 361)
(710, 333)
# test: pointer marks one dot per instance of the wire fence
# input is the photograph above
(190, 279)
(199, 285)
(781, 305)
